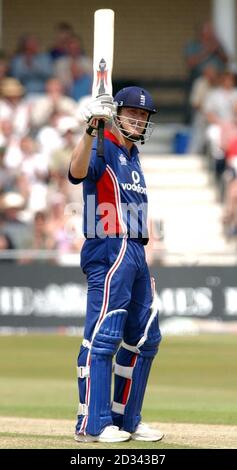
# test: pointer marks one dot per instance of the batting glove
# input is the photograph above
(102, 107)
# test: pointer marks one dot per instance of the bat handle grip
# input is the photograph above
(100, 139)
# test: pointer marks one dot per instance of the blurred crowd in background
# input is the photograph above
(41, 94)
(212, 99)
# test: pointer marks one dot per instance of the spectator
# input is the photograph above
(13, 107)
(206, 49)
(229, 180)
(11, 205)
(6, 176)
(220, 109)
(230, 201)
(68, 129)
(203, 50)
(200, 89)
(22, 186)
(48, 136)
(59, 184)
(41, 239)
(11, 144)
(56, 222)
(219, 105)
(34, 192)
(231, 148)
(53, 101)
(63, 32)
(64, 231)
(75, 70)
(33, 163)
(5, 244)
(32, 67)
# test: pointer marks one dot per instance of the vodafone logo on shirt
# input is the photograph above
(135, 186)
(135, 177)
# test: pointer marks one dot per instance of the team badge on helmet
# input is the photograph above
(135, 97)
(138, 98)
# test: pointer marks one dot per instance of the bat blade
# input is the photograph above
(103, 62)
(103, 52)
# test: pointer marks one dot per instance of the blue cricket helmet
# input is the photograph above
(135, 97)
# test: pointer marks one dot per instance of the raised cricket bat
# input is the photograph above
(103, 62)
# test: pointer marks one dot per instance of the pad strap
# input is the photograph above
(123, 371)
(133, 349)
(118, 408)
(83, 371)
(86, 343)
(82, 409)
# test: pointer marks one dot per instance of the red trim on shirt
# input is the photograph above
(106, 194)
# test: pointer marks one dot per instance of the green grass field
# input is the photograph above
(193, 380)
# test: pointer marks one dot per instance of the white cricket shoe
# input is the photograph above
(109, 434)
(145, 433)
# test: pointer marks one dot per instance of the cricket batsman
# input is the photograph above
(121, 319)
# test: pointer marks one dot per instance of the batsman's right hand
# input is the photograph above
(102, 107)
